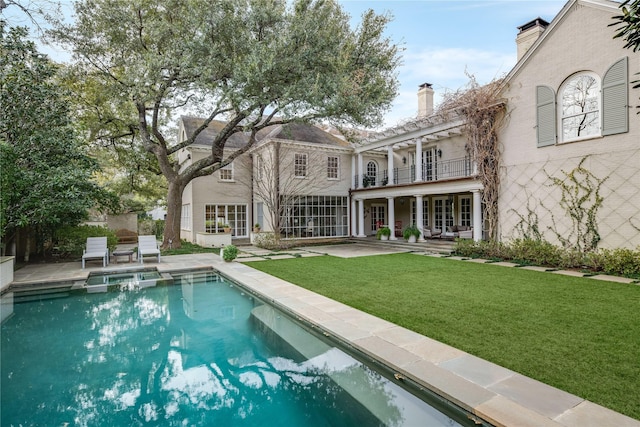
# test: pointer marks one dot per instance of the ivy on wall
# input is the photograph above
(580, 200)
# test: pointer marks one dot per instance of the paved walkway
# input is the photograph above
(495, 394)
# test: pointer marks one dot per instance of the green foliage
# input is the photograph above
(538, 252)
(229, 252)
(581, 201)
(628, 28)
(249, 64)
(189, 248)
(411, 230)
(71, 241)
(383, 231)
(619, 262)
(46, 174)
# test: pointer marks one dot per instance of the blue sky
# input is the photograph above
(441, 39)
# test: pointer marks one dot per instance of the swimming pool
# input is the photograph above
(200, 351)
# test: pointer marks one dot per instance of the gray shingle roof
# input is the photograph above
(291, 131)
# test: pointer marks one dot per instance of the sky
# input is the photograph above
(441, 40)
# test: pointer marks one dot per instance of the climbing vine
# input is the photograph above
(581, 201)
(484, 113)
(529, 224)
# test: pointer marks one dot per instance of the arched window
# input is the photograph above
(580, 107)
(372, 169)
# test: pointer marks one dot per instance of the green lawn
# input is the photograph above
(580, 335)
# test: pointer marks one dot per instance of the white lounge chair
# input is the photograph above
(96, 248)
(148, 246)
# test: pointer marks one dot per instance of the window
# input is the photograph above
(185, 218)
(332, 167)
(586, 107)
(465, 210)
(372, 169)
(226, 172)
(258, 167)
(300, 165)
(580, 107)
(215, 216)
(314, 216)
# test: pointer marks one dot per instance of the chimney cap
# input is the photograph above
(536, 22)
(425, 86)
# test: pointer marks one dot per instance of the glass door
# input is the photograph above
(442, 213)
(378, 216)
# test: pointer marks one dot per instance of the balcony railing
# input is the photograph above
(436, 171)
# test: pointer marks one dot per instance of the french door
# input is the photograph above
(442, 213)
(378, 216)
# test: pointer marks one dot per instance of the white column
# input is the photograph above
(361, 219)
(353, 173)
(392, 218)
(390, 165)
(419, 217)
(477, 216)
(360, 173)
(418, 159)
(354, 217)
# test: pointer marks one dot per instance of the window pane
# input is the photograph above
(580, 107)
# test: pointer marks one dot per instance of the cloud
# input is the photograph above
(445, 69)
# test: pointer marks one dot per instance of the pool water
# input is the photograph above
(200, 352)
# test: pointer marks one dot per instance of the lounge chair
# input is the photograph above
(96, 248)
(148, 246)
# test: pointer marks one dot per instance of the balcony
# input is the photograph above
(436, 171)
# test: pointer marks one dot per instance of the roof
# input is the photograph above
(299, 132)
(550, 29)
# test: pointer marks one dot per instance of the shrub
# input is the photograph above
(539, 252)
(71, 241)
(383, 231)
(229, 253)
(624, 262)
(411, 230)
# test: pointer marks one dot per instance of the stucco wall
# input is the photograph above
(580, 42)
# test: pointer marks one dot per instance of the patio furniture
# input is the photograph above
(432, 234)
(123, 252)
(126, 236)
(96, 248)
(398, 229)
(148, 246)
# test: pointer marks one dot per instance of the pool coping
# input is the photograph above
(495, 394)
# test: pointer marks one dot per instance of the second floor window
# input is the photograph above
(226, 173)
(580, 103)
(332, 167)
(300, 165)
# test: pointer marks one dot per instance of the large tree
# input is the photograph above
(46, 177)
(251, 63)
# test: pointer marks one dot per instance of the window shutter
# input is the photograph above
(546, 116)
(615, 99)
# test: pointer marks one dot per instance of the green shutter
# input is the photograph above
(615, 99)
(546, 116)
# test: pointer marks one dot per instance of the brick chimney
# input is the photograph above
(528, 34)
(425, 100)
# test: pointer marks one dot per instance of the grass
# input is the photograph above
(579, 335)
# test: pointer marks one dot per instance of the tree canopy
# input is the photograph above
(46, 179)
(250, 63)
(628, 28)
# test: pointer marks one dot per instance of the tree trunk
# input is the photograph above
(174, 213)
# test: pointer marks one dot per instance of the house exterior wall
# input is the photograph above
(580, 41)
(212, 190)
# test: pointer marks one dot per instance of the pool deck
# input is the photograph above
(493, 393)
